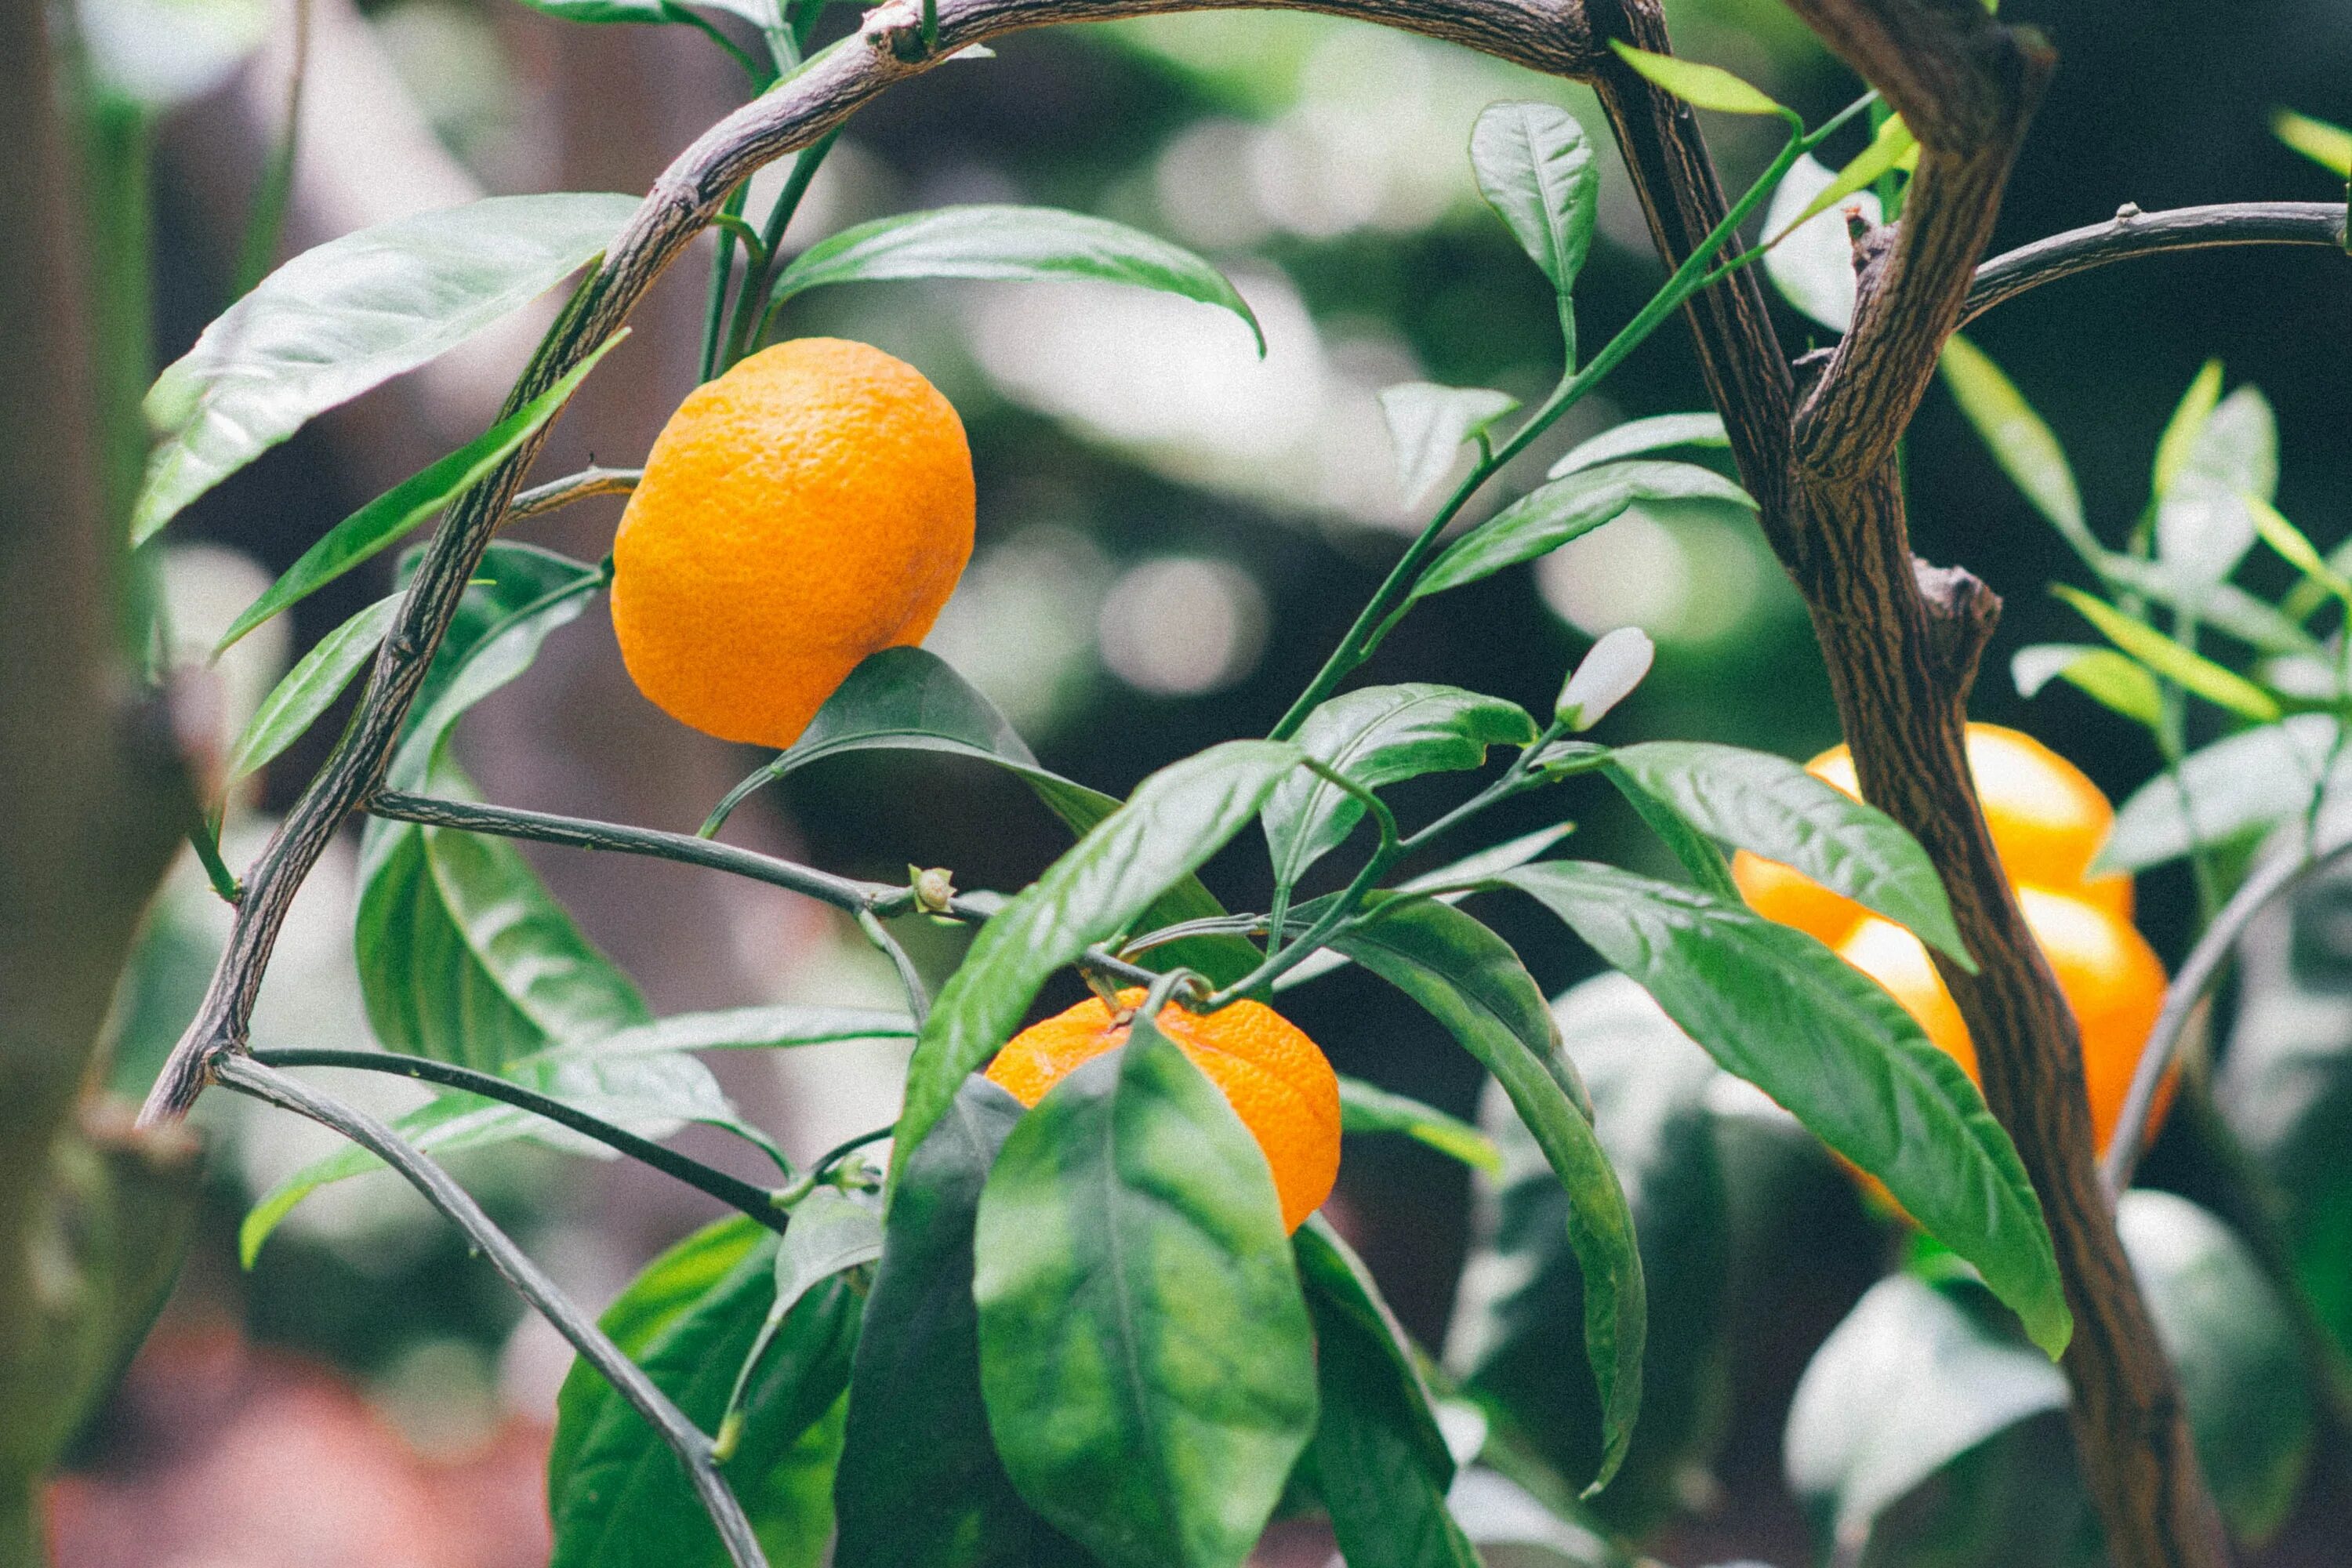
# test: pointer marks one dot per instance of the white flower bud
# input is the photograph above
(1611, 669)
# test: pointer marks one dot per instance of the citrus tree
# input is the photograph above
(1082, 1310)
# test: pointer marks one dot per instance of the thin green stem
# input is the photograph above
(1341, 908)
(762, 77)
(722, 269)
(755, 310)
(910, 979)
(1390, 599)
(747, 1197)
(1520, 776)
(268, 219)
(206, 838)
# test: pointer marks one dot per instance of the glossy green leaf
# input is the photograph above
(310, 688)
(2224, 606)
(381, 523)
(1697, 853)
(1657, 433)
(1378, 1462)
(2024, 447)
(1428, 425)
(2250, 782)
(1376, 736)
(1549, 516)
(904, 699)
(2233, 1346)
(1892, 147)
(1776, 1007)
(1912, 1379)
(1010, 243)
(2296, 547)
(1535, 167)
(1128, 1240)
(2180, 432)
(1468, 979)
(1367, 1108)
(1521, 1282)
(2329, 147)
(1700, 85)
(919, 1480)
(348, 316)
(616, 1493)
(830, 1232)
(1176, 819)
(604, 11)
(1770, 806)
(2204, 520)
(1512, 1528)
(2106, 676)
(2192, 670)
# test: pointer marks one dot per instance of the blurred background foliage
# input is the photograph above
(1172, 534)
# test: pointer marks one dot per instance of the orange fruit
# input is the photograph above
(812, 506)
(1276, 1078)
(2111, 978)
(2048, 821)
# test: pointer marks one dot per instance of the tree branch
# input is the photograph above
(247, 1076)
(540, 499)
(2131, 233)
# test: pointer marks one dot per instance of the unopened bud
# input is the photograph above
(1609, 670)
(934, 889)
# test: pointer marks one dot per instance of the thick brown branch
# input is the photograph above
(1946, 66)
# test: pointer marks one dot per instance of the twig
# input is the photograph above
(247, 1076)
(2131, 233)
(540, 499)
(2269, 881)
(910, 979)
(755, 1202)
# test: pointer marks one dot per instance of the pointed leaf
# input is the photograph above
(1546, 518)
(1656, 434)
(1468, 979)
(831, 1233)
(1700, 85)
(2329, 147)
(2104, 675)
(1129, 1243)
(2180, 432)
(1378, 1462)
(1770, 806)
(1892, 147)
(920, 1478)
(2193, 671)
(1534, 168)
(1812, 263)
(2250, 782)
(2224, 606)
(1175, 820)
(382, 522)
(1368, 1108)
(1776, 1007)
(310, 688)
(1428, 425)
(1376, 736)
(1010, 243)
(348, 316)
(2020, 443)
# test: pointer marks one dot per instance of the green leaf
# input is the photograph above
(1910, 1381)
(1548, 517)
(348, 316)
(2192, 670)
(1657, 433)
(1468, 979)
(1892, 148)
(1145, 1354)
(919, 1480)
(310, 688)
(2329, 147)
(1693, 848)
(2026, 449)
(1376, 736)
(2204, 520)
(604, 11)
(616, 1493)
(831, 1233)
(1377, 1457)
(2101, 674)
(2222, 605)
(904, 699)
(1428, 425)
(1176, 819)
(1811, 263)
(2233, 1344)
(1010, 243)
(2296, 548)
(1776, 1007)
(1700, 85)
(379, 523)
(2247, 782)
(1521, 1282)
(1770, 806)
(2180, 432)
(1535, 167)
(1367, 1108)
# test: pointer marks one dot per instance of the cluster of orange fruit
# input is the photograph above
(815, 505)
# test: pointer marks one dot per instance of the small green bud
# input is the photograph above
(934, 889)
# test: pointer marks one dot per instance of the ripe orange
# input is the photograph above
(1276, 1078)
(2110, 976)
(2048, 822)
(812, 506)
